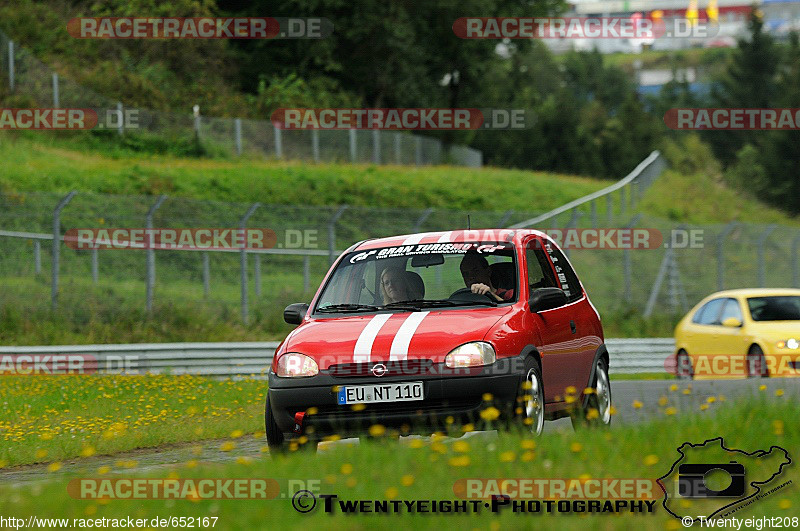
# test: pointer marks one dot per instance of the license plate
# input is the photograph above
(367, 394)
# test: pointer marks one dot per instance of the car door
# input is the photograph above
(564, 361)
(730, 343)
(703, 329)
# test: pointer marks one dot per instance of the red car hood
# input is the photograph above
(387, 337)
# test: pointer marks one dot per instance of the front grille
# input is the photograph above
(415, 367)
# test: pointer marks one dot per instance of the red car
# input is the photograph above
(413, 331)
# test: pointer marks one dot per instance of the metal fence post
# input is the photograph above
(278, 141)
(206, 276)
(626, 265)
(151, 254)
(315, 144)
(609, 208)
(721, 253)
(37, 256)
(673, 275)
(332, 233)
(56, 102)
(237, 135)
(505, 219)
(420, 220)
(622, 204)
(120, 117)
(57, 245)
(573, 221)
(243, 260)
(94, 265)
(762, 241)
(662, 272)
(11, 66)
(398, 150)
(353, 151)
(795, 265)
(306, 273)
(257, 274)
(593, 207)
(376, 146)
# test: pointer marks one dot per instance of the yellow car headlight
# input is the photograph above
(790, 343)
(471, 355)
(296, 365)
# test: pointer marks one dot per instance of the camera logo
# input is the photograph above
(709, 480)
(692, 481)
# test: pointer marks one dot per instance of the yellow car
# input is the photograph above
(740, 333)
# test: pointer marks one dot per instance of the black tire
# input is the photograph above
(599, 402)
(756, 363)
(530, 399)
(274, 434)
(683, 366)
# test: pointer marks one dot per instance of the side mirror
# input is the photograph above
(294, 313)
(732, 322)
(546, 299)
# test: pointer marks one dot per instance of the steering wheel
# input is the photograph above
(466, 294)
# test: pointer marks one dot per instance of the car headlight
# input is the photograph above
(296, 365)
(790, 343)
(471, 355)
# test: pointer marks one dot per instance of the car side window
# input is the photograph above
(709, 313)
(540, 274)
(731, 309)
(567, 279)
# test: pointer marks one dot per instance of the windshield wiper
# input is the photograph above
(423, 303)
(342, 308)
(487, 302)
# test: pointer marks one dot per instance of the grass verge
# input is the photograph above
(51, 418)
(381, 469)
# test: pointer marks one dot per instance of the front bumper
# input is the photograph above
(460, 396)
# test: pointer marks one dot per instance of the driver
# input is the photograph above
(477, 277)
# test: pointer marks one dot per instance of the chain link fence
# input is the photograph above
(26, 76)
(686, 263)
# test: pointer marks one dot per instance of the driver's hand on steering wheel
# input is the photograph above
(483, 289)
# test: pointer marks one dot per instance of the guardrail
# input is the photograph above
(628, 356)
(636, 182)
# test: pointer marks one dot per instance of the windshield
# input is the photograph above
(785, 308)
(412, 277)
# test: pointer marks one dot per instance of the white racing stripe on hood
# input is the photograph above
(399, 349)
(363, 349)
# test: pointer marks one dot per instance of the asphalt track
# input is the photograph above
(634, 401)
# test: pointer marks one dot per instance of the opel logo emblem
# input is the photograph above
(379, 370)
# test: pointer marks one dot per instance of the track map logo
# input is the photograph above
(710, 481)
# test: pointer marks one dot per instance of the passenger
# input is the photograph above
(397, 286)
